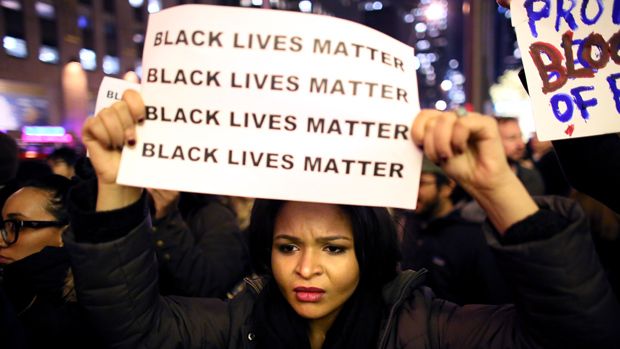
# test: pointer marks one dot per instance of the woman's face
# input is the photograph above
(313, 259)
(29, 204)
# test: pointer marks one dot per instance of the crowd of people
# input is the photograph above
(512, 245)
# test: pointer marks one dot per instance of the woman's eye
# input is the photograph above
(333, 249)
(287, 248)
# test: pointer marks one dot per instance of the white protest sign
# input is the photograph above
(275, 104)
(571, 60)
(111, 91)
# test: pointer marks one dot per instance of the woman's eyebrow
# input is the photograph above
(320, 239)
(14, 215)
(286, 237)
(333, 238)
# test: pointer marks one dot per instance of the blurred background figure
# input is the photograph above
(514, 147)
(9, 158)
(62, 161)
(546, 162)
(438, 237)
(201, 242)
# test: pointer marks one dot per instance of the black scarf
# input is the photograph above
(42, 274)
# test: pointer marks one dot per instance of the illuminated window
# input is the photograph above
(14, 41)
(48, 51)
(49, 54)
(88, 59)
(154, 6)
(88, 56)
(15, 47)
(136, 3)
(111, 65)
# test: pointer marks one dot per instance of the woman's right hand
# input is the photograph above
(504, 3)
(104, 137)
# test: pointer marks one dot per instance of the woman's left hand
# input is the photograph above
(469, 150)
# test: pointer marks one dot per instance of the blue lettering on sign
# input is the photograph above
(613, 86)
(578, 59)
(583, 104)
(556, 101)
(584, 15)
(615, 15)
(565, 13)
(536, 15)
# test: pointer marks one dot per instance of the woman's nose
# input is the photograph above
(309, 265)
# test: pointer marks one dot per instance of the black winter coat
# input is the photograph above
(38, 291)
(207, 261)
(462, 268)
(563, 298)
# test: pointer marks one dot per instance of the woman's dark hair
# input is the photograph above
(358, 323)
(58, 187)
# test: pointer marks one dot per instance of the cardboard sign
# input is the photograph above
(572, 64)
(275, 104)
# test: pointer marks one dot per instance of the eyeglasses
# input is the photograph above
(11, 227)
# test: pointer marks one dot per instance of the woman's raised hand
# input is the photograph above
(504, 3)
(104, 137)
(469, 150)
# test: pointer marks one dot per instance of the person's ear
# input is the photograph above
(447, 188)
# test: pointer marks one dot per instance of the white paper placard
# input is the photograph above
(111, 90)
(570, 56)
(275, 104)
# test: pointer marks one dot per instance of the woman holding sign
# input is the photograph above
(328, 273)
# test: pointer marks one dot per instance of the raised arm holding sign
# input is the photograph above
(572, 65)
(591, 164)
(328, 273)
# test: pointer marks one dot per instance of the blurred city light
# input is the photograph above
(436, 11)
(136, 3)
(48, 54)
(305, 6)
(154, 6)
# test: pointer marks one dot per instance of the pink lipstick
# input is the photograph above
(308, 294)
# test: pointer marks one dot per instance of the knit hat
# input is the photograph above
(8, 158)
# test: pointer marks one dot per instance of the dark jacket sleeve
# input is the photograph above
(562, 297)
(117, 282)
(592, 166)
(207, 268)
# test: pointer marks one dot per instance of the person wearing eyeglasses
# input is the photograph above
(37, 277)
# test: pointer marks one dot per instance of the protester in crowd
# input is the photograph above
(328, 272)
(512, 140)
(9, 163)
(62, 161)
(202, 252)
(9, 157)
(438, 238)
(591, 166)
(37, 275)
(546, 162)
